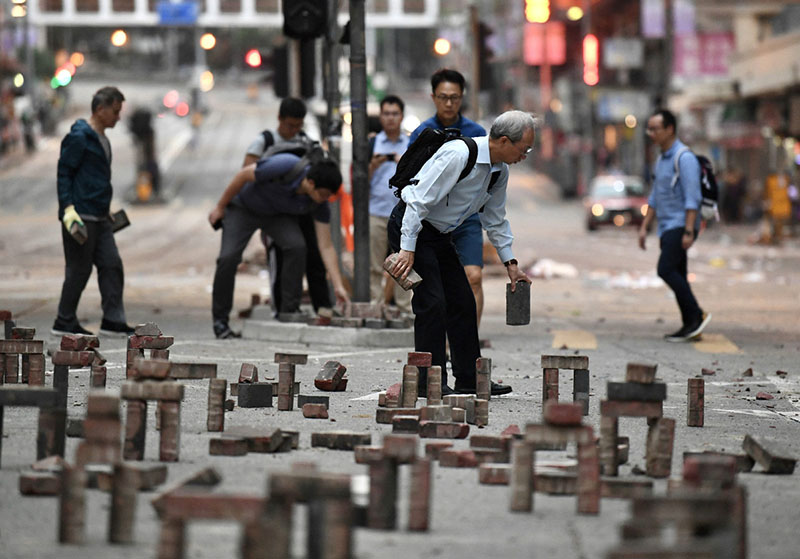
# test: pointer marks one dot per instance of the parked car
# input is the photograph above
(615, 200)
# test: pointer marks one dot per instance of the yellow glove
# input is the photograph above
(70, 217)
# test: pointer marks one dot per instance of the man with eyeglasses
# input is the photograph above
(447, 93)
(421, 230)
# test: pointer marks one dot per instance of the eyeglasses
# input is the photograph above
(524, 151)
(448, 98)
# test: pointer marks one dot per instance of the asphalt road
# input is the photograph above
(601, 299)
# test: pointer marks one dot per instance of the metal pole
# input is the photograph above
(294, 68)
(358, 107)
(332, 129)
(669, 32)
(474, 24)
(588, 157)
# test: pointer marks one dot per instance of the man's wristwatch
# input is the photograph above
(510, 262)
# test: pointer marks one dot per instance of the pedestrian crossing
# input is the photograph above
(583, 339)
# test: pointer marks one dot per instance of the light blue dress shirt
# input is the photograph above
(437, 199)
(671, 202)
(381, 198)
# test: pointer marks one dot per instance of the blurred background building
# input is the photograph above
(592, 70)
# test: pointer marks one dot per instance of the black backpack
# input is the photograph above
(708, 183)
(309, 151)
(423, 148)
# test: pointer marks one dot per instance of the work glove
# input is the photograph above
(74, 224)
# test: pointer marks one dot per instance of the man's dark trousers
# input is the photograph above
(443, 304)
(99, 250)
(238, 227)
(672, 268)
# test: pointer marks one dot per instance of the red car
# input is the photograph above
(616, 200)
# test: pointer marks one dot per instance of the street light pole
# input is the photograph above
(332, 130)
(358, 107)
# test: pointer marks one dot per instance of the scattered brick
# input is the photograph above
(434, 387)
(405, 424)
(617, 408)
(770, 459)
(229, 404)
(340, 440)
(436, 413)
(330, 376)
(630, 391)
(565, 362)
(494, 474)
(292, 358)
(305, 399)
(402, 448)
(511, 431)
(408, 396)
(393, 395)
(256, 395)
(150, 342)
(147, 329)
(385, 415)
(207, 477)
(433, 449)
(248, 373)
(157, 369)
(640, 372)
(660, 440)
(227, 446)
(73, 358)
(315, 411)
(22, 333)
(366, 454)
(21, 346)
(259, 439)
(443, 430)
(40, 483)
(481, 412)
(744, 463)
(695, 396)
(562, 414)
(215, 419)
(459, 415)
(420, 495)
(748, 372)
(152, 390)
(764, 396)
(383, 482)
(708, 469)
(420, 358)
(74, 427)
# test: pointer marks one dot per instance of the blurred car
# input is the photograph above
(615, 200)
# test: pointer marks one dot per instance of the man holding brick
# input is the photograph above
(84, 200)
(421, 227)
(260, 196)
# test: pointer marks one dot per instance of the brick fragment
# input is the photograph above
(773, 461)
(764, 396)
(303, 399)
(420, 358)
(227, 446)
(382, 399)
(147, 329)
(256, 395)
(315, 411)
(291, 358)
(640, 372)
(618, 408)
(340, 440)
(651, 392)
(40, 483)
(459, 415)
(393, 395)
(443, 430)
(567, 414)
(330, 376)
(207, 477)
(6, 314)
(98, 376)
(329, 386)
(193, 370)
(565, 362)
(248, 373)
(518, 304)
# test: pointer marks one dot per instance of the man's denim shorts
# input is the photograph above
(468, 239)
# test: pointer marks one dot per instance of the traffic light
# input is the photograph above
(305, 19)
(253, 58)
(591, 59)
(537, 11)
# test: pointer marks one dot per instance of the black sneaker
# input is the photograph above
(497, 389)
(59, 329)
(116, 329)
(698, 326)
(678, 336)
(223, 332)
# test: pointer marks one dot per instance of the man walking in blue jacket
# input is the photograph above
(84, 201)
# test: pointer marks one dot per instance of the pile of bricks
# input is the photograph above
(21, 357)
(251, 393)
(78, 351)
(147, 336)
(384, 462)
(150, 381)
(704, 514)
(579, 364)
(562, 425)
(639, 396)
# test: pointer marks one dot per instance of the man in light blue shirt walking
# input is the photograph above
(675, 202)
(387, 147)
(421, 229)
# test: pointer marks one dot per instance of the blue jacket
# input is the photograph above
(468, 127)
(84, 172)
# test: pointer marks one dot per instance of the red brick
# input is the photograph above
(402, 448)
(73, 358)
(152, 390)
(147, 329)
(193, 370)
(366, 454)
(340, 440)
(660, 441)
(245, 509)
(420, 358)
(157, 369)
(315, 411)
(494, 474)
(718, 471)
(227, 446)
(457, 459)
(74, 342)
(36, 367)
(511, 431)
(768, 457)
(564, 362)
(21, 346)
(695, 409)
(169, 441)
(616, 408)
(292, 358)
(408, 397)
(49, 464)
(554, 434)
(23, 333)
(568, 414)
(150, 342)
(393, 393)
(330, 376)
(385, 415)
(640, 372)
(259, 439)
(433, 449)
(443, 430)
(330, 386)
(420, 495)
(6, 315)
(550, 384)
(40, 483)
(248, 373)
(436, 413)
(405, 424)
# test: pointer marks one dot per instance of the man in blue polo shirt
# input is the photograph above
(260, 196)
(676, 205)
(448, 93)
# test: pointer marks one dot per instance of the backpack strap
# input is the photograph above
(473, 156)
(676, 160)
(371, 147)
(269, 139)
